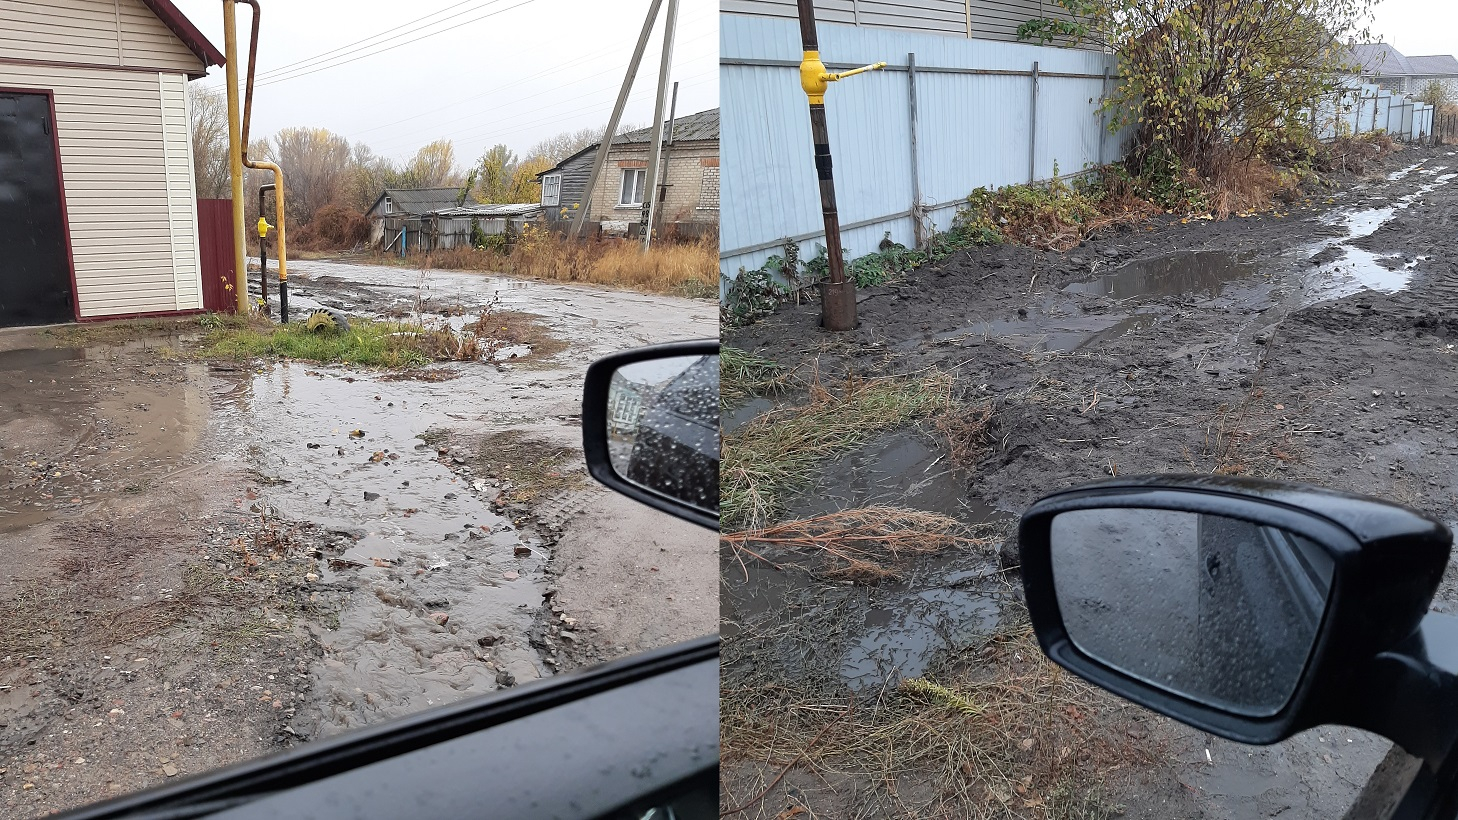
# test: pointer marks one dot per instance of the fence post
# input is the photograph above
(1103, 114)
(1375, 99)
(1033, 129)
(916, 226)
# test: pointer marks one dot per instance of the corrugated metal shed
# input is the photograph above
(516, 209)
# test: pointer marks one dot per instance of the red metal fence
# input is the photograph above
(215, 244)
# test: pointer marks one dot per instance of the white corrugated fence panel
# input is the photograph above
(972, 130)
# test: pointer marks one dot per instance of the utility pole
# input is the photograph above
(667, 147)
(235, 157)
(612, 127)
(650, 185)
(837, 295)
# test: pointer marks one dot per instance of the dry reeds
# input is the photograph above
(858, 544)
(677, 268)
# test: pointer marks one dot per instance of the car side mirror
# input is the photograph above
(650, 427)
(1250, 609)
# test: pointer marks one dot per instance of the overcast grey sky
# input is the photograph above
(478, 72)
(1417, 27)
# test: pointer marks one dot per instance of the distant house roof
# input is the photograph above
(1380, 58)
(688, 128)
(1434, 65)
(509, 209)
(186, 31)
(417, 200)
(701, 126)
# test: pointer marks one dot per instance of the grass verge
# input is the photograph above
(776, 453)
(125, 330)
(395, 345)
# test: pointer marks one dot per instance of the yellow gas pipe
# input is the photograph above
(239, 157)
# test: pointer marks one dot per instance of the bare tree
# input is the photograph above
(316, 165)
(209, 112)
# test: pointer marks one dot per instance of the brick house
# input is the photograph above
(690, 203)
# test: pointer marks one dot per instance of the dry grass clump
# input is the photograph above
(677, 268)
(1355, 155)
(1002, 733)
(968, 431)
(1248, 185)
(858, 544)
(777, 452)
(742, 374)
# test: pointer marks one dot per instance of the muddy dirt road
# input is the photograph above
(203, 562)
(1316, 344)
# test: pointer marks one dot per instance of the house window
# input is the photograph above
(552, 189)
(632, 190)
(389, 206)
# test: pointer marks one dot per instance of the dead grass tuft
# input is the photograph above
(677, 268)
(1002, 733)
(777, 452)
(968, 431)
(858, 545)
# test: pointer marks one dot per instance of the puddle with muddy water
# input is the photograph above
(342, 450)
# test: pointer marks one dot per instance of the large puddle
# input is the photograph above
(432, 569)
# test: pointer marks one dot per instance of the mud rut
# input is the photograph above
(1315, 345)
(206, 563)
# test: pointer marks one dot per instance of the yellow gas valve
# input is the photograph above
(263, 227)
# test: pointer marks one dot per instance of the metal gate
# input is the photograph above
(215, 245)
(35, 262)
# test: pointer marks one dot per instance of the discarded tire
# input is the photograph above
(325, 320)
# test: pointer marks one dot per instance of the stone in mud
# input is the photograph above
(369, 496)
(441, 618)
(489, 638)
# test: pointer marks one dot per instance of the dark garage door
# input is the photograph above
(35, 274)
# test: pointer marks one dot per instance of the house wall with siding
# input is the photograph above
(121, 33)
(574, 181)
(125, 146)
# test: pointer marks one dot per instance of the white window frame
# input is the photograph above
(389, 206)
(552, 189)
(640, 177)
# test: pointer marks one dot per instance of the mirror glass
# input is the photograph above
(1216, 609)
(663, 427)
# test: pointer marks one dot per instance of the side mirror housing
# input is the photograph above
(1250, 609)
(650, 427)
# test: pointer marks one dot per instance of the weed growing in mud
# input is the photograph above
(742, 375)
(995, 731)
(528, 467)
(775, 453)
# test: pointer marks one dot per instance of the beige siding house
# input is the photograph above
(114, 74)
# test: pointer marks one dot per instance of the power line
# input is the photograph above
(471, 133)
(296, 75)
(519, 126)
(317, 57)
(287, 67)
(520, 99)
